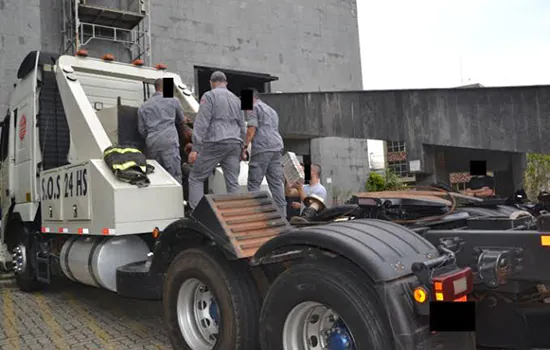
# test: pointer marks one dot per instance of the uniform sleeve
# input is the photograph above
(253, 117)
(202, 121)
(141, 124)
(179, 112)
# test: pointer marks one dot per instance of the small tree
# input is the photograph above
(393, 182)
(375, 182)
(537, 174)
(387, 182)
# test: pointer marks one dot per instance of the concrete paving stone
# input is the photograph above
(71, 316)
(35, 347)
(78, 347)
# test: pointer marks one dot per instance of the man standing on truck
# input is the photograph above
(160, 122)
(218, 136)
(267, 147)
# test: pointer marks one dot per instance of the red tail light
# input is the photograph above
(453, 286)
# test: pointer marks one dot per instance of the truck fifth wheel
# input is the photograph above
(234, 275)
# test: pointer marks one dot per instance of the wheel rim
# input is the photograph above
(314, 326)
(198, 315)
(19, 259)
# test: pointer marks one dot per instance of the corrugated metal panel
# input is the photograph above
(249, 220)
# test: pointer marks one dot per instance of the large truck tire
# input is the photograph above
(25, 274)
(211, 302)
(296, 313)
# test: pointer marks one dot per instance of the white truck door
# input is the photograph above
(25, 168)
(7, 144)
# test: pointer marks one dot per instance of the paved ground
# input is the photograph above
(71, 316)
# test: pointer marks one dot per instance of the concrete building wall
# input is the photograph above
(51, 25)
(310, 45)
(512, 119)
(20, 23)
(344, 163)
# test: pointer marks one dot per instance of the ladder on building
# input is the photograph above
(85, 21)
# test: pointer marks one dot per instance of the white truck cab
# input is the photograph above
(65, 111)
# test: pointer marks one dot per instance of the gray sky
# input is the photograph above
(419, 44)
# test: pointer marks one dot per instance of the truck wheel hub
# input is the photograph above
(214, 312)
(19, 259)
(313, 326)
(339, 338)
(198, 315)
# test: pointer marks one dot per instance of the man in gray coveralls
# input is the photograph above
(218, 136)
(158, 120)
(267, 147)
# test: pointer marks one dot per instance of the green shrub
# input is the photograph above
(537, 174)
(375, 182)
(387, 182)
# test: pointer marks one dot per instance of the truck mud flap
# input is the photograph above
(410, 329)
(240, 222)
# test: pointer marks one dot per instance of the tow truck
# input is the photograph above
(233, 275)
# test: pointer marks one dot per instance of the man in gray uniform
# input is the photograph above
(267, 147)
(158, 120)
(218, 137)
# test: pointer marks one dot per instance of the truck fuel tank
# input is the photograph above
(94, 260)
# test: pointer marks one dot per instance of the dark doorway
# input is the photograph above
(237, 80)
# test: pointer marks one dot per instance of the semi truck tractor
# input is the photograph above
(234, 274)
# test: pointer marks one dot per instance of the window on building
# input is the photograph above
(399, 168)
(396, 146)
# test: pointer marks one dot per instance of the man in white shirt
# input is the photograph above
(314, 188)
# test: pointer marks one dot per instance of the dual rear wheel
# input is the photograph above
(323, 305)
(211, 303)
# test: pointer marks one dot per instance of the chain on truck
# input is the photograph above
(235, 274)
